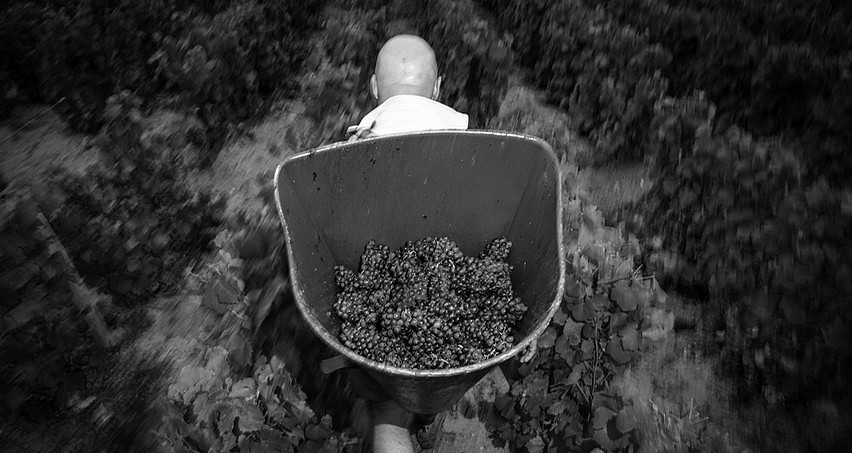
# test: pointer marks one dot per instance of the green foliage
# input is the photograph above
(761, 224)
(472, 57)
(562, 397)
(44, 337)
(760, 73)
(228, 66)
(339, 68)
(131, 226)
(265, 411)
(242, 391)
(824, 25)
(606, 75)
(747, 223)
(223, 58)
(525, 20)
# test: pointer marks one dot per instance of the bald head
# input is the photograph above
(406, 65)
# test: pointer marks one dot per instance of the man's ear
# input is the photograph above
(437, 90)
(374, 87)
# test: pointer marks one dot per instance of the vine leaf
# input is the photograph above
(562, 347)
(507, 433)
(559, 406)
(560, 317)
(576, 374)
(630, 338)
(624, 269)
(617, 352)
(624, 295)
(625, 421)
(617, 320)
(582, 311)
(220, 296)
(601, 416)
(546, 340)
(244, 388)
(506, 405)
(573, 288)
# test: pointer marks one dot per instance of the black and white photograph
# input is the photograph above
(405, 226)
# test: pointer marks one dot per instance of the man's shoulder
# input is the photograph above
(410, 100)
(423, 106)
(409, 113)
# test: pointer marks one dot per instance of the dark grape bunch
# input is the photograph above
(427, 306)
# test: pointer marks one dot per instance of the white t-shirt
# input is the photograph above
(411, 113)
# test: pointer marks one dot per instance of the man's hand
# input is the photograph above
(529, 352)
(357, 132)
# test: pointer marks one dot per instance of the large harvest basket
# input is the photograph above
(471, 186)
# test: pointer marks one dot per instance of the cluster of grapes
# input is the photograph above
(427, 306)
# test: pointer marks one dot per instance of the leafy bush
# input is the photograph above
(607, 76)
(228, 66)
(761, 227)
(825, 25)
(338, 70)
(562, 398)
(224, 58)
(43, 332)
(472, 57)
(131, 226)
(525, 21)
(745, 221)
(761, 78)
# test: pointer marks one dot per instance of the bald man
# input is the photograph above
(406, 85)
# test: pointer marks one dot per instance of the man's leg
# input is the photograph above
(390, 427)
(390, 420)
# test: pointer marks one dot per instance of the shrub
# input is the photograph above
(751, 228)
(224, 58)
(131, 227)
